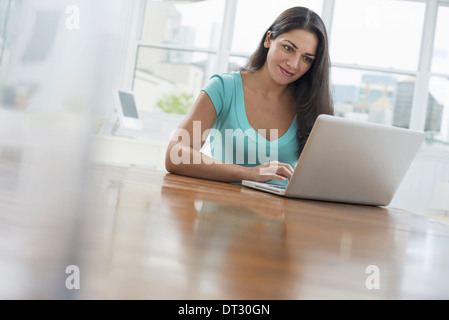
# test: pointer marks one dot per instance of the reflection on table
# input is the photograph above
(171, 237)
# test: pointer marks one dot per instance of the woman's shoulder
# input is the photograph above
(228, 82)
(223, 88)
(227, 76)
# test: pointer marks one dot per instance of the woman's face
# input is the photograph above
(290, 55)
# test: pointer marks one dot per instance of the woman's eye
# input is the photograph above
(308, 59)
(288, 48)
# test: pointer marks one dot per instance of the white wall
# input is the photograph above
(428, 170)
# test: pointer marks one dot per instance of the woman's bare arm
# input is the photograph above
(184, 157)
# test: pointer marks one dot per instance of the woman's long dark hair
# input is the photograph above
(312, 90)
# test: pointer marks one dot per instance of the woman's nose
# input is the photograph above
(293, 62)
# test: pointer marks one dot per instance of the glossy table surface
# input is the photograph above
(73, 230)
(154, 235)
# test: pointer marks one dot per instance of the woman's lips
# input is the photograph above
(286, 73)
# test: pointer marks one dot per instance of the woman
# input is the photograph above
(269, 107)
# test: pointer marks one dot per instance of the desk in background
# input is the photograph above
(128, 151)
(153, 235)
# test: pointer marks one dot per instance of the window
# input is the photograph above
(179, 51)
(438, 108)
(9, 28)
(251, 21)
(440, 61)
(169, 79)
(383, 34)
(437, 118)
(177, 22)
(375, 54)
(379, 72)
(176, 54)
(254, 21)
(7, 10)
(379, 97)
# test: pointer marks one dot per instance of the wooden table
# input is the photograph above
(133, 233)
(153, 235)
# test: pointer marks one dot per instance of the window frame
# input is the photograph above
(224, 52)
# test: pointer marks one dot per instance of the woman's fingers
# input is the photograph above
(275, 170)
(285, 170)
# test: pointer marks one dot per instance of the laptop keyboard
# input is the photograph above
(277, 186)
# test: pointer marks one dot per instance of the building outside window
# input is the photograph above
(375, 53)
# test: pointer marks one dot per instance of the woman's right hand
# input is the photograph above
(273, 170)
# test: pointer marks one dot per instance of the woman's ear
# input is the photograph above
(267, 41)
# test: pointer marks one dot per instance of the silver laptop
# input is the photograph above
(350, 161)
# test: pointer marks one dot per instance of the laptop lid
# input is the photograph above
(353, 161)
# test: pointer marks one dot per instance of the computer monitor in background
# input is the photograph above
(127, 112)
